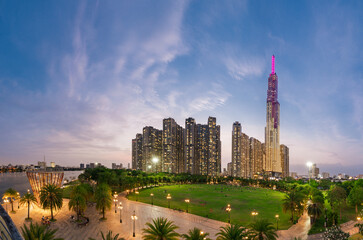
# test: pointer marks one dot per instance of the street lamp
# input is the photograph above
(277, 221)
(120, 207)
(187, 201)
(254, 214)
(127, 192)
(115, 201)
(168, 198)
(152, 198)
(6, 205)
(228, 209)
(359, 218)
(134, 218)
(309, 164)
(18, 197)
(137, 195)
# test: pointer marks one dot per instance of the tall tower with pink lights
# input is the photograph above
(272, 163)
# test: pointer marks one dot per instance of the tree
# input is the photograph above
(78, 200)
(108, 236)
(28, 199)
(51, 197)
(314, 210)
(291, 202)
(231, 232)
(103, 196)
(38, 232)
(262, 229)
(337, 196)
(335, 233)
(12, 195)
(355, 197)
(160, 229)
(195, 234)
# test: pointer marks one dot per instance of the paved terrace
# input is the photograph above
(144, 212)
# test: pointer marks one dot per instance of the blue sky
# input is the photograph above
(78, 79)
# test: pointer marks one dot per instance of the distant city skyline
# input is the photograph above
(79, 79)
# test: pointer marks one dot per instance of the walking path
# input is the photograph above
(144, 212)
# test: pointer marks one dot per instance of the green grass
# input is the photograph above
(211, 200)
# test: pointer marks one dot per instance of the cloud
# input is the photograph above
(239, 69)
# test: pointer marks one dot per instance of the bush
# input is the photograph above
(335, 233)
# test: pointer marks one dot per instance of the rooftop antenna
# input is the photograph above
(273, 64)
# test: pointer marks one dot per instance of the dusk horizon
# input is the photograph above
(79, 80)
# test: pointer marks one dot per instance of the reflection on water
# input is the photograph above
(20, 183)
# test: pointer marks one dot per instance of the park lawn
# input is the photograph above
(356, 237)
(211, 200)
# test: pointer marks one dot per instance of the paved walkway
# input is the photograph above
(145, 213)
(299, 230)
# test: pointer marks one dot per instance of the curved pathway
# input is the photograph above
(144, 212)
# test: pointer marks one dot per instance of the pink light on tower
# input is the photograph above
(273, 64)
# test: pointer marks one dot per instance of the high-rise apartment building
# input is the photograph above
(272, 130)
(151, 149)
(256, 158)
(214, 155)
(137, 152)
(284, 153)
(173, 147)
(190, 138)
(195, 149)
(202, 148)
(236, 165)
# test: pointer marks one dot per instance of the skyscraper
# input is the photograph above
(272, 130)
(236, 166)
(151, 149)
(137, 152)
(214, 160)
(191, 165)
(202, 148)
(256, 158)
(284, 160)
(173, 147)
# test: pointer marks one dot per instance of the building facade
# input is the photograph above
(256, 158)
(272, 130)
(151, 149)
(284, 153)
(236, 165)
(190, 137)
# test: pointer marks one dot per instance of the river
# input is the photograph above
(20, 183)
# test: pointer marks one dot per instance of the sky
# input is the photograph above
(79, 79)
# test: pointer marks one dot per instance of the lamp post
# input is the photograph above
(152, 198)
(18, 198)
(254, 214)
(134, 218)
(120, 207)
(168, 198)
(137, 195)
(6, 205)
(309, 164)
(115, 201)
(187, 201)
(127, 192)
(228, 209)
(359, 218)
(277, 221)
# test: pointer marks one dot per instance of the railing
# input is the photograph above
(8, 229)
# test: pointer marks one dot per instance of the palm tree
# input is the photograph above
(109, 236)
(28, 199)
(231, 232)
(12, 194)
(262, 229)
(37, 232)
(103, 196)
(291, 202)
(51, 197)
(78, 201)
(195, 234)
(160, 229)
(314, 210)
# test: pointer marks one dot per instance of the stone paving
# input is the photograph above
(144, 212)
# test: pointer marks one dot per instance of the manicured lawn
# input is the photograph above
(211, 200)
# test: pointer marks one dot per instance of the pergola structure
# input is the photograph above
(38, 178)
